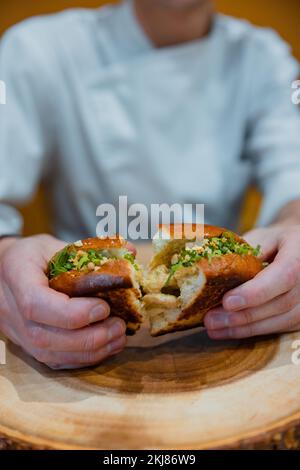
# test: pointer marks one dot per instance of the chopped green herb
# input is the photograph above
(215, 246)
(173, 270)
(83, 261)
(130, 257)
(66, 260)
(59, 262)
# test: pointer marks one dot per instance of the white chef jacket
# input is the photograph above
(96, 111)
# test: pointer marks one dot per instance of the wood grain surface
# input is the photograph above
(181, 391)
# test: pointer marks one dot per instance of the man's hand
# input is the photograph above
(270, 302)
(54, 329)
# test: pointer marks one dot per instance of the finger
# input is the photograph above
(280, 323)
(87, 339)
(292, 328)
(48, 307)
(64, 360)
(9, 330)
(279, 277)
(268, 243)
(220, 318)
(51, 248)
(216, 319)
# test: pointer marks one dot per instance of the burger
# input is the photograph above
(191, 269)
(188, 276)
(100, 267)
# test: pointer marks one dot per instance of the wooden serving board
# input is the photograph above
(181, 391)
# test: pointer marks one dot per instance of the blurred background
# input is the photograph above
(282, 15)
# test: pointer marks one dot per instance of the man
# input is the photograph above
(163, 101)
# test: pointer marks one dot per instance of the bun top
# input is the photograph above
(192, 232)
(104, 243)
(93, 251)
(171, 239)
(115, 274)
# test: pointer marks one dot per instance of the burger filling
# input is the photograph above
(86, 260)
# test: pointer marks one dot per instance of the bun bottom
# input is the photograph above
(125, 304)
(115, 282)
(165, 321)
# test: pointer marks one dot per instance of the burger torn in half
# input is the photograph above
(103, 268)
(189, 276)
(186, 277)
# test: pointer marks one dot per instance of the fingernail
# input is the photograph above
(97, 313)
(218, 320)
(116, 330)
(116, 345)
(234, 302)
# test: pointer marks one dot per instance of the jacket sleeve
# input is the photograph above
(273, 137)
(25, 130)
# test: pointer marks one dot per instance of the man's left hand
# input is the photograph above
(270, 302)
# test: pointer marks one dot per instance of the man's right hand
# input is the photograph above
(56, 330)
